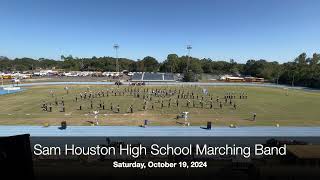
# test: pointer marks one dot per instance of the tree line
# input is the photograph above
(302, 71)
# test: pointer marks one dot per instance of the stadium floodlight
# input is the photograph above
(116, 47)
(189, 47)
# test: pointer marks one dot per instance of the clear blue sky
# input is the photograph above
(217, 29)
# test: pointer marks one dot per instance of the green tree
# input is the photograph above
(150, 64)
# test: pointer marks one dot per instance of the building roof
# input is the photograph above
(235, 78)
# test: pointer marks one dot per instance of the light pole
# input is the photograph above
(116, 47)
(189, 47)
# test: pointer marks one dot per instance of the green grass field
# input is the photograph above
(272, 106)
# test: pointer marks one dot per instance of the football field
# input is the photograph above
(161, 105)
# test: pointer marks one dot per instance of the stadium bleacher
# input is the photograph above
(137, 77)
(168, 76)
(152, 77)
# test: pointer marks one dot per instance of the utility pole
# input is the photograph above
(116, 47)
(189, 47)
